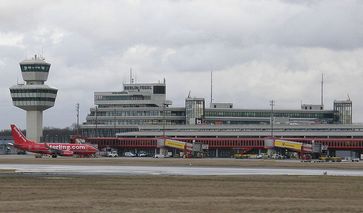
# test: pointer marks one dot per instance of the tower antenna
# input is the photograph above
(131, 78)
(322, 90)
(211, 88)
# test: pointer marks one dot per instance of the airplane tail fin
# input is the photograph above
(18, 136)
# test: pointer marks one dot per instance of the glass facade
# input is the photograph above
(25, 97)
(35, 68)
(34, 99)
(49, 91)
(159, 90)
(121, 97)
(194, 110)
(257, 114)
(344, 109)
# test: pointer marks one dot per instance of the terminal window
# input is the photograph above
(159, 90)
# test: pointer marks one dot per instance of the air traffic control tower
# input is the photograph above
(34, 96)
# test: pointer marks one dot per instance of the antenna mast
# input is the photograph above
(211, 88)
(322, 90)
(131, 81)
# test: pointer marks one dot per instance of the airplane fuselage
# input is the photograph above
(54, 149)
(41, 148)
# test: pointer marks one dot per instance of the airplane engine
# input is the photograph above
(66, 153)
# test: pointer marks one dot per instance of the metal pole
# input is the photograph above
(164, 121)
(211, 89)
(114, 122)
(272, 103)
(322, 90)
(77, 127)
(96, 133)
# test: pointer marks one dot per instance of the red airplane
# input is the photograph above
(53, 149)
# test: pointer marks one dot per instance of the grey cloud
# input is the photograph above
(258, 50)
(327, 24)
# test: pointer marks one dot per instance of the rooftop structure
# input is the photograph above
(34, 96)
(345, 111)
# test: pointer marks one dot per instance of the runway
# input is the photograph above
(167, 170)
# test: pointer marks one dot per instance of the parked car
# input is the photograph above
(129, 154)
(142, 154)
(278, 156)
(112, 154)
(160, 156)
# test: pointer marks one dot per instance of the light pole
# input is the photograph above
(77, 109)
(164, 122)
(96, 133)
(272, 103)
(114, 122)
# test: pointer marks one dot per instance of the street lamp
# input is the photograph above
(77, 110)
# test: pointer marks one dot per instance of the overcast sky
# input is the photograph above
(257, 50)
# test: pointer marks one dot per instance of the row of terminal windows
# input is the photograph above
(217, 114)
(105, 132)
(138, 113)
(51, 91)
(268, 114)
(34, 99)
(114, 98)
(126, 113)
(138, 122)
(35, 68)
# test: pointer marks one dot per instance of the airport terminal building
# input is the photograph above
(133, 119)
(144, 106)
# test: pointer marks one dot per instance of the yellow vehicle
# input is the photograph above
(331, 159)
(245, 156)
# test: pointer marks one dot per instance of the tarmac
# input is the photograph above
(166, 170)
(27, 164)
